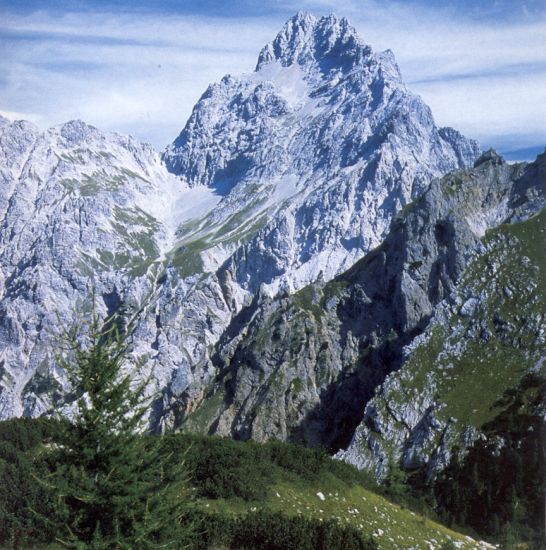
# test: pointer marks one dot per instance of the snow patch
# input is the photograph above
(289, 81)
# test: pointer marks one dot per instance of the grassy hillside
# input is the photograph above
(245, 495)
(235, 478)
(390, 525)
(496, 335)
(492, 338)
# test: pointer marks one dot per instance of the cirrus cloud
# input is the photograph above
(141, 71)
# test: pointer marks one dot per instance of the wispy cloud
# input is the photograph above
(142, 72)
(121, 72)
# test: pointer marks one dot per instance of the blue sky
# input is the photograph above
(139, 66)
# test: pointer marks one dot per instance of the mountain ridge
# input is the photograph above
(312, 259)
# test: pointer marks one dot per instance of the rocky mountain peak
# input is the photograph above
(76, 131)
(315, 43)
(487, 156)
(281, 177)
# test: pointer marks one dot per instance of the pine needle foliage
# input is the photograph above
(115, 485)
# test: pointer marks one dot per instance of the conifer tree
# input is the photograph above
(114, 485)
(395, 480)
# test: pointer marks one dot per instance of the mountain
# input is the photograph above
(280, 178)
(314, 366)
(425, 358)
(78, 208)
(325, 131)
(311, 260)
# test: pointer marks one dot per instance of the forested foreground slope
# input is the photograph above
(244, 495)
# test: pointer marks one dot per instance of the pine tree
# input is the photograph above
(115, 486)
(395, 480)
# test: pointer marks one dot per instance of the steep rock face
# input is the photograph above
(281, 177)
(304, 367)
(326, 128)
(81, 209)
(17, 140)
(480, 343)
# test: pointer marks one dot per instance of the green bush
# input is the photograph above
(223, 468)
(275, 531)
(307, 463)
(27, 433)
(23, 501)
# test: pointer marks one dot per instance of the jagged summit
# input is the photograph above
(319, 71)
(325, 42)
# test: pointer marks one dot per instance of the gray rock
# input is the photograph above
(343, 352)
(293, 171)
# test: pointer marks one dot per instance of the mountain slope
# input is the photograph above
(490, 338)
(314, 152)
(304, 367)
(79, 208)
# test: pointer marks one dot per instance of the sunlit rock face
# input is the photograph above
(280, 178)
